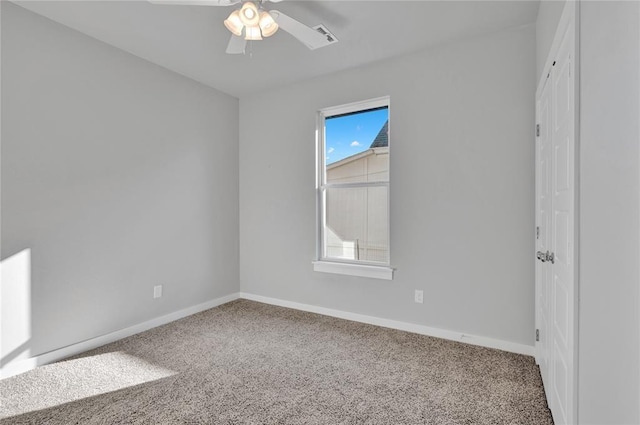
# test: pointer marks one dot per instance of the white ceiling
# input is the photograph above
(191, 40)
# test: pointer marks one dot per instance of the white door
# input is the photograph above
(562, 264)
(543, 229)
(555, 218)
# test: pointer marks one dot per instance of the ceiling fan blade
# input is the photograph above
(197, 2)
(308, 36)
(236, 45)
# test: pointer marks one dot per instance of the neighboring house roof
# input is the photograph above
(382, 139)
(349, 159)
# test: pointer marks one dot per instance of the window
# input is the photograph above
(353, 189)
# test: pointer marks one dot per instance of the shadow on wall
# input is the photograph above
(15, 309)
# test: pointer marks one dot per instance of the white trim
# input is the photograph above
(21, 366)
(574, 21)
(527, 350)
(379, 102)
(351, 269)
(354, 185)
(321, 185)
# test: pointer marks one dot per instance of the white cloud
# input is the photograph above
(355, 143)
(330, 150)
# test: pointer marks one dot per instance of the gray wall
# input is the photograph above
(118, 175)
(548, 18)
(462, 188)
(609, 353)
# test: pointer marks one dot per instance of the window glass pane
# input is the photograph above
(356, 224)
(357, 147)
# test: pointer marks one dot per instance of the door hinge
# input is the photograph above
(537, 335)
(537, 232)
(537, 130)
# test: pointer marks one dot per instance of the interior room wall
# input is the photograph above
(549, 14)
(609, 329)
(117, 175)
(462, 188)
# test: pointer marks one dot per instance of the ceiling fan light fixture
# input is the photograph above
(267, 24)
(249, 14)
(234, 23)
(252, 33)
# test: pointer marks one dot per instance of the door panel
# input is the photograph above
(560, 307)
(561, 226)
(562, 157)
(560, 389)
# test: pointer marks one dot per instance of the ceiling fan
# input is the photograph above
(252, 22)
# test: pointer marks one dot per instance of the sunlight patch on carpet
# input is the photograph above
(72, 380)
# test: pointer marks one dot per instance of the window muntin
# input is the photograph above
(353, 192)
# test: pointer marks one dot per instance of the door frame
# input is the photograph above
(569, 19)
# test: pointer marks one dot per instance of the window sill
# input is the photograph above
(375, 272)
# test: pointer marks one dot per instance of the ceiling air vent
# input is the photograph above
(331, 39)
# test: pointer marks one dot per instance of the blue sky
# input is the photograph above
(352, 134)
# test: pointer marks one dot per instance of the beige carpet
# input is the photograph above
(251, 363)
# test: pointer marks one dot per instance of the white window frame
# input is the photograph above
(374, 270)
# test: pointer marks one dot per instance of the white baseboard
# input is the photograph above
(512, 347)
(20, 366)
